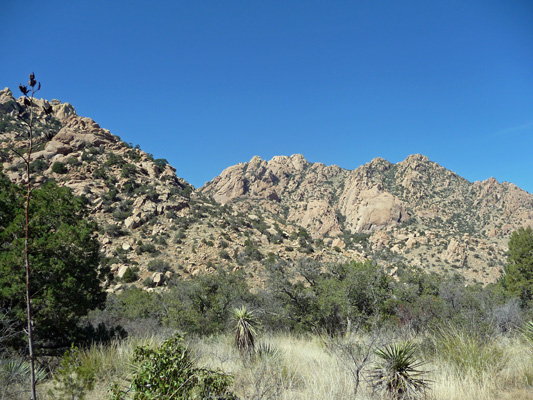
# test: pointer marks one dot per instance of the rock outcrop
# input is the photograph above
(414, 212)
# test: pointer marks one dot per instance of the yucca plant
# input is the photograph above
(245, 331)
(397, 373)
(267, 351)
(15, 372)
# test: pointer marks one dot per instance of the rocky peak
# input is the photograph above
(8, 105)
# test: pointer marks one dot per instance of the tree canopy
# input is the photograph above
(518, 278)
(64, 256)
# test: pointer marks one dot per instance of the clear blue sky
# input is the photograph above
(208, 84)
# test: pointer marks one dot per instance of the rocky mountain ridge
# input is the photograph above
(155, 224)
(413, 212)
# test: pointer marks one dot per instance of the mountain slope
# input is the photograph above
(411, 213)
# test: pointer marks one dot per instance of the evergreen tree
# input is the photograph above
(518, 278)
(64, 254)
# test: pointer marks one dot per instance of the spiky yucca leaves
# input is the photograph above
(245, 331)
(397, 373)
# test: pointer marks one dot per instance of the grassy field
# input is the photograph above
(458, 365)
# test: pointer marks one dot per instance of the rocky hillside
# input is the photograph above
(414, 212)
(151, 222)
(154, 225)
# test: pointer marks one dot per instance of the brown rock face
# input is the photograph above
(79, 132)
(415, 211)
(374, 210)
(281, 182)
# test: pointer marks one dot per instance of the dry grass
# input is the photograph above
(305, 367)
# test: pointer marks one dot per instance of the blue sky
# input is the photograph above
(208, 84)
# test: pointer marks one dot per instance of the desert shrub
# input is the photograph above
(128, 170)
(203, 304)
(133, 304)
(38, 165)
(326, 297)
(113, 230)
(130, 275)
(179, 236)
(169, 372)
(129, 187)
(59, 168)
(146, 248)
(123, 210)
(158, 265)
(100, 173)
(114, 159)
(160, 162)
(73, 161)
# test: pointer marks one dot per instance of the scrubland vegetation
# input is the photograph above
(317, 331)
(306, 366)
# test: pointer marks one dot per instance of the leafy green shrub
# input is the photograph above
(161, 162)
(73, 161)
(130, 276)
(38, 165)
(113, 230)
(146, 248)
(128, 170)
(158, 265)
(114, 159)
(179, 236)
(100, 173)
(169, 373)
(59, 168)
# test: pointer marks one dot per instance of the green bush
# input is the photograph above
(73, 161)
(129, 276)
(38, 166)
(146, 248)
(161, 162)
(169, 373)
(59, 168)
(128, 170)
(158, 265)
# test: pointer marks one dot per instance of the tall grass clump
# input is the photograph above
(527, 332)
(471, 354)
